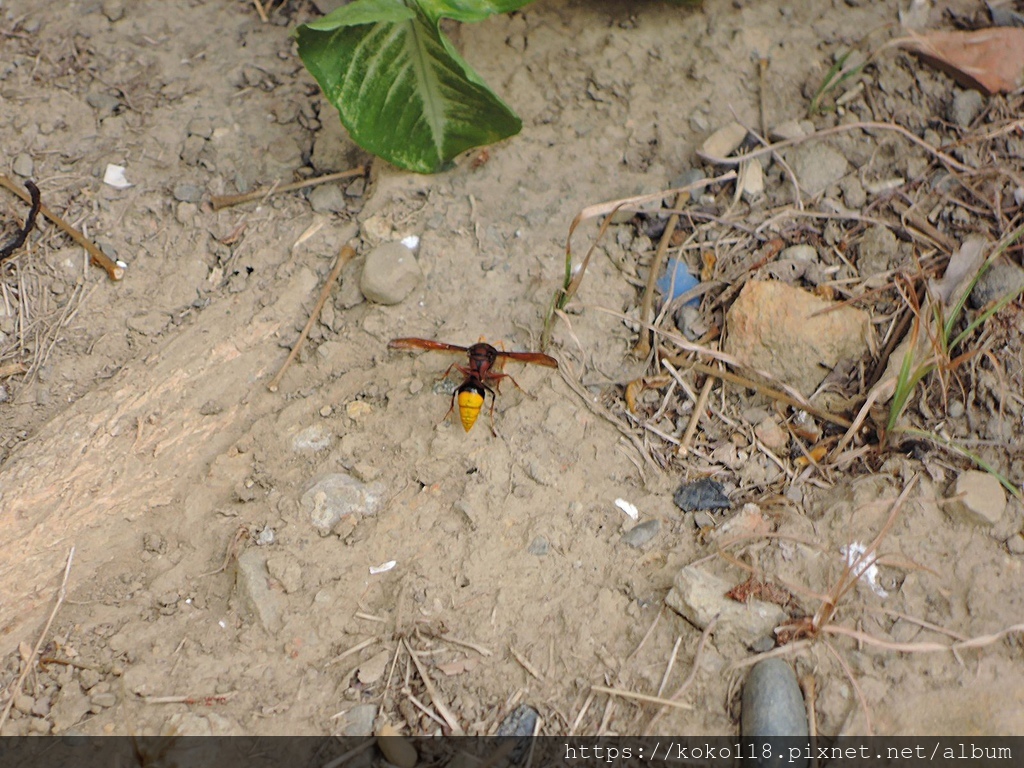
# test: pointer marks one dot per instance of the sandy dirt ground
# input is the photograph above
(142, 433)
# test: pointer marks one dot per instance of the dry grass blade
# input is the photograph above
(435, 698)
(347, 252)
(29, 662)
(223, 201)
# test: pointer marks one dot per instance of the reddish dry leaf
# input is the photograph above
(988, 60)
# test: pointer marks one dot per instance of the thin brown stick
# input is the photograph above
(224, 201)
(30, 661)
(435, 698)
(952, 162)
(643, 344)
(640, 697)
(260, 11)
(525, 663)
(12, 369)
(347, 252)
(96, 256)
(210, 700)
(698, 409)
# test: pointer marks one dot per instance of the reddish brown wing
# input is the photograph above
(537, 358)
(413, 343)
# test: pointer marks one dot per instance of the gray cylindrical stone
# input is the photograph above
(772, 702)
(390, 273)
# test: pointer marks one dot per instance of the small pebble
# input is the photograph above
(701, 494)
(640, 534)
(977, 498)
(104, 700)
(724, 141)
(521, 722)
(539, 546)
(186, 192)
(23, 703)
(327, 198)
(390, 274)
(23, 165)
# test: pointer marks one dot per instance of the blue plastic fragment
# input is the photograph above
(676, 281)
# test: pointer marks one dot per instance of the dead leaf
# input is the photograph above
(987, 60)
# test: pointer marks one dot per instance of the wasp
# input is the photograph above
(482, 375)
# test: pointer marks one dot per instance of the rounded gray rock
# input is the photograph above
(772, 702)
(390, 274)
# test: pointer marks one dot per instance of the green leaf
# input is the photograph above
(402, 90)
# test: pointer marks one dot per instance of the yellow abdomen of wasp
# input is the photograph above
(471, 400)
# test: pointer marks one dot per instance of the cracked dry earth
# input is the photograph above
(143, 434)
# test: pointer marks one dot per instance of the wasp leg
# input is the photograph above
(461, 369)
(493, 400)
(497, 377)
(450, 407)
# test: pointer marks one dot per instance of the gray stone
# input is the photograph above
(966, 106)
(853, 192)
(337, 496)
(816, 166)
(187, 192)
(641, 534)
(977, 498)
(390, 273)
(876, 250)
(358, 721)
(772, 702)
(724, 141)
(252, 585)
(699, 597)
(104, 103)
(327, 198)
(785, 331)
(23, 165)
(790, 129)
(1002, 278)
(539, 546)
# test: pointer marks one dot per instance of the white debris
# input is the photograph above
(629, 509)
(412, 242)
(866, 569)
(383, 568)
(114, 177)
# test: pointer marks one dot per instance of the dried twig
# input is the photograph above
(641, 697)
(98, 257)
(224, 201)
(347, 252)
(29, 662)
(525, 663)
(435, 698)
